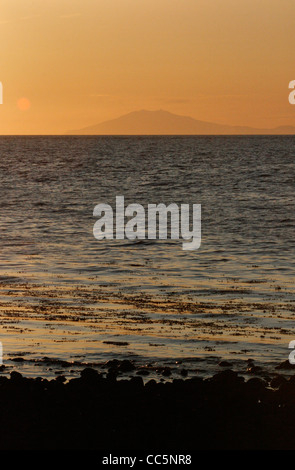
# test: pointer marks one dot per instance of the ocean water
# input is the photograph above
(66, 296)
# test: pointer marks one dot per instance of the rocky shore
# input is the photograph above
(225, 411)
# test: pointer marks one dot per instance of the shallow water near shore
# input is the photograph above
(68, 300)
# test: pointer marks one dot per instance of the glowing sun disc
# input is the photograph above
(23, 104)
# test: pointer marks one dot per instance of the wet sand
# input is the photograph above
(103, 413)
(47, 328)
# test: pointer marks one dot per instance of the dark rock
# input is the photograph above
(89, 375)
(253, 369)
(166, 371)
(137, 382)
(61, 378)
(178, 382)
(211, 414)
(151, 384)
(225, 364)
(287, 391)
(16, 376)
(112, 363)
(285, 365)
(126, 366)
(142, 372)
(227, 376)
(112, 376)
(256, 384)
(291, 380)
(277, 381)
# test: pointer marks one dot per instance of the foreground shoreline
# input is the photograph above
(93, 412)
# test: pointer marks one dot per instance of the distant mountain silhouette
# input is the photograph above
(165, 123)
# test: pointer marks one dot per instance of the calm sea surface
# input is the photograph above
(66, 296)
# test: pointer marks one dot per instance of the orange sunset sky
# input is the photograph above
(67, 64)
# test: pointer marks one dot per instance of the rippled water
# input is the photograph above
(66, 295)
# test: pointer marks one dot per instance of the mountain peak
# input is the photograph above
(163, 122)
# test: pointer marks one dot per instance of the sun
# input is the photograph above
(23, 104)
